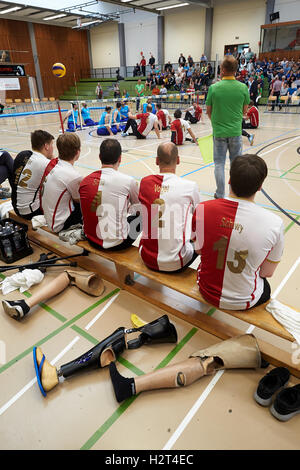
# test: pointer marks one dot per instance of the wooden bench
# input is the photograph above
(127, 264)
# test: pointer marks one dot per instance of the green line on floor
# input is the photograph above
(58, 330)
(288, 171)
(96, 341)
(291, 224)
(123, 407)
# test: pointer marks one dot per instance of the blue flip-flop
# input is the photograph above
(38, 370)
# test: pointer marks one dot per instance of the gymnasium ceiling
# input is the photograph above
(88, 14)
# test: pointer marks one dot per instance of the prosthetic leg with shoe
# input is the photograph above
(157, 331)
(239, 352)
(86, 281)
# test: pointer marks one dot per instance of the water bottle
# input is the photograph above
(17, 238)
(8, 251)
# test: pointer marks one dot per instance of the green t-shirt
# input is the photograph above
(227, 98)
(140, 89)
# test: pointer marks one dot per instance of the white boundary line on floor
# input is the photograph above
(33, 381)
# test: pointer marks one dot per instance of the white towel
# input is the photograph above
(38, 221)
(286, 316)
(22, 280)
(5, 208)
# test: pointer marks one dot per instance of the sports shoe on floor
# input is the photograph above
(16, 309)
(287, 403)
(251, 139)
(124, 134)
(270, 384)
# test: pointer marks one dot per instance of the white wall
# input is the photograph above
(289, 10)
(140, 36)
(105, 45)
(184, 32)
(237, 19)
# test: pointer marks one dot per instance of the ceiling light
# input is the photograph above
(87, 24)
(172, 6)
(54, 17)
(8, 10)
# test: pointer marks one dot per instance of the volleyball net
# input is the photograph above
(88, 113)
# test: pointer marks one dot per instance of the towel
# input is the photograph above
(22, 280)
(72, 235)
(38, 221)
(286, 316)
(5, 208)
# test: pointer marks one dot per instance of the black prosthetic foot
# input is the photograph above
(123, 387)
(157, 331)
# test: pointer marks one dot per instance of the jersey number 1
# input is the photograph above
(236, 266)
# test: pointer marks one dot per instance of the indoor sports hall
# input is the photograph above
(56, 61)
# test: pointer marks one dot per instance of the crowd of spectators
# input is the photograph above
(278, 77)
(182, 77)
(282, 75)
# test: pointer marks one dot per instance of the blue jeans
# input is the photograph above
(221, 144)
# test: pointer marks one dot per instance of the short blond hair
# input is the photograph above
(68, 146)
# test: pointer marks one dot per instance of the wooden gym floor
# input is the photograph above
(217, 412)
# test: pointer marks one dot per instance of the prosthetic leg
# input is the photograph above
(239, 352)
(86, 281)
(158, 331)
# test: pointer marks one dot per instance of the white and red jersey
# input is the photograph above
(162, 115)
(180, 128)
(28, 173)
(253, 115)
(58, 190)
(107, 197)
(168, 203)
(147, 121)
(235, 237)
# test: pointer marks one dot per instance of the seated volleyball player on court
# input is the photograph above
(193, 113)
(72, 117)
(28, 169)
(240, 242)
(86, 116)
(116, 118)
(180, 128)
(253, 117)
(167, 203)
(148, 121)
(109, 202)
(60, 185)
(105, 126)
(164, 118)
(124, 111)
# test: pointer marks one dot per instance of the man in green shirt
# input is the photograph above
(139, 89)
(226, 103)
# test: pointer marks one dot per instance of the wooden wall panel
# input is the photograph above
(65, 45)
(54, 44)
(14, 36)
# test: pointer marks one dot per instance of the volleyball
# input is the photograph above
(59, 70)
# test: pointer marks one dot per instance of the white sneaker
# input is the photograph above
(124, 134)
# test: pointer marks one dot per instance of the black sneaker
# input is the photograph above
(270, 384)
(287, 403)
(16, 309)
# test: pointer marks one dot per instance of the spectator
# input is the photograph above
(181, 60)
(151, 61)
(99, 91)
(139, 90)
(137, 70)
(143, 66)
